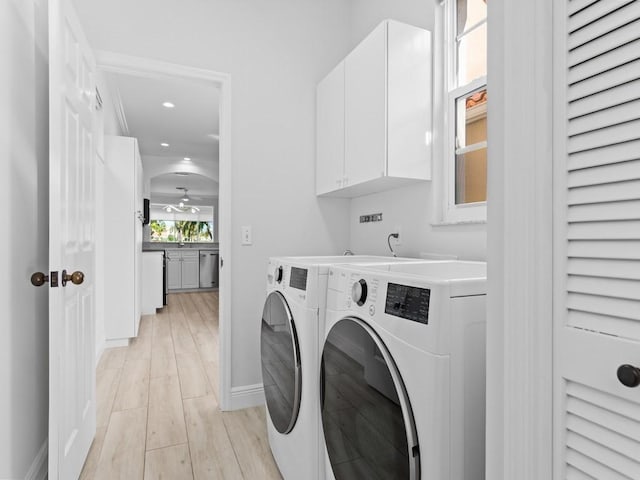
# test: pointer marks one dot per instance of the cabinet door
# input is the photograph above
(365, 109)
(191, 270)
(174, 272)
(408, 102)
(330, 131)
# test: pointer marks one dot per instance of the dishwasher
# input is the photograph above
(208, 269)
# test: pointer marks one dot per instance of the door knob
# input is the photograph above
(629, 375)
(76, 278)
(38, 279)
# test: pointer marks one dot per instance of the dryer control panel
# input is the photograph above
(410, 303)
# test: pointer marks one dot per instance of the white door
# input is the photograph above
(597, 239)
(72, 416)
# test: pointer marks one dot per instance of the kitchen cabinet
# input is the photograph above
(152, 288)
(174, 270)
(122, 237)
(374, 114)
(183, 269)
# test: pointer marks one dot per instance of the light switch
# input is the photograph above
(246, 235)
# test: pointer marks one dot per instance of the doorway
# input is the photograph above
(174, 160)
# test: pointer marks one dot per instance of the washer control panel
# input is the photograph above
(410, 303)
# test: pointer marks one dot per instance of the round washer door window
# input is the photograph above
(368, 424)
(280, 355)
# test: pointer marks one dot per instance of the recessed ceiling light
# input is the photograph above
(164, 144)
(188, 159)
(168, 105)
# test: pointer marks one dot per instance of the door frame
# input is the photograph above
(520, 241)
(131, 65)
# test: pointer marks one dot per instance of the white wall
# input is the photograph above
(412, 208)
(24, 184)
(275, 52)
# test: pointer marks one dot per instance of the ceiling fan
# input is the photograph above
(182, 207)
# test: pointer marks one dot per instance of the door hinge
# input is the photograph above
(221, 262)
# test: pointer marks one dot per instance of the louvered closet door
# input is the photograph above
(597, 238)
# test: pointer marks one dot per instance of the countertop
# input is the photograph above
(161, 247)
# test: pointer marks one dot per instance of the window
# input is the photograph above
(173, 225)
(465, 152)
(181, 231)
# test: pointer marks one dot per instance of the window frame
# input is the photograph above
(473, 212)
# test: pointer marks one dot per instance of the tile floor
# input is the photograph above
(157, 407)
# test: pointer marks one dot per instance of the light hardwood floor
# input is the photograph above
(158, 415)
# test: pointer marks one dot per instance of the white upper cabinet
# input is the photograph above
(365, 109)
(374, 114)
(330, 132)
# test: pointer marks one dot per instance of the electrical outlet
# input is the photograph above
(373, 217)
(246, 235)
(398, 230)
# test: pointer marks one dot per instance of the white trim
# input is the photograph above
(119, 110)
(519, 258)
(247, 396)
(145, 67)
(116, 342)
(560, 226)
(460, 223)
(471, 29)
(99, 351)
(471, 148)
(38, 468)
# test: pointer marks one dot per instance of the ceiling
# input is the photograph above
(190, 128)
(165, 189)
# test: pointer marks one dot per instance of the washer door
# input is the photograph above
(368, 424)
(280, 354)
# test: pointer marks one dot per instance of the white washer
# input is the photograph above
(403, 372)
(290, 339)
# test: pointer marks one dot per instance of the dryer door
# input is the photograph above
(280, 354)
(368, 424)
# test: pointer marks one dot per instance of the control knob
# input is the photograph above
(278, 274)
(359, 292)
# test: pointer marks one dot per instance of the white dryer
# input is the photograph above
(290, 339)
(403, 372)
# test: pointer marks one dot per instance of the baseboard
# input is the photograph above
(99, 351)
(38, 469)
(247, 396)
(118, 342)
